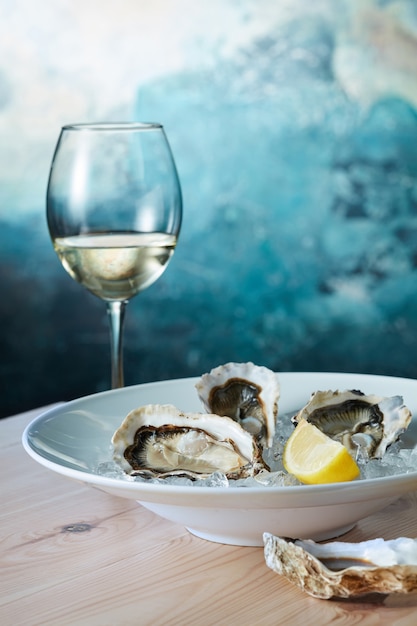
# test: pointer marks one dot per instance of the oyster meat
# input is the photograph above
(245, 392)
(159, 441)
(370, 423)
(339, 569)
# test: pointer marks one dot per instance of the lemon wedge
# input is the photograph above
(314, 458)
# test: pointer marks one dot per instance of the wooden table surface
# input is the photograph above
(71, 554)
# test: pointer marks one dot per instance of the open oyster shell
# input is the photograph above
(370, 423)
(245, 392)
(159, 441)
(344, 570)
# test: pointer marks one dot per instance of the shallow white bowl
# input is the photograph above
(74, 438)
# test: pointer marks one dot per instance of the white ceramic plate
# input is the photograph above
(72, 439)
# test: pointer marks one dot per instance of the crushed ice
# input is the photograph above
(396, 460)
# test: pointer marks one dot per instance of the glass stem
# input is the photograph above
(116, 313)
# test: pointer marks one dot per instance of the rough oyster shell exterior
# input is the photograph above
(245, 392)
(376, 566)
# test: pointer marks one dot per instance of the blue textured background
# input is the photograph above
(294, 129)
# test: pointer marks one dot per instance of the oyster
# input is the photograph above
(159, 441)
(245, 392)
(339, 569)
(370, 423)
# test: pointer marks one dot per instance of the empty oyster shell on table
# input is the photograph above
(343, 570)
(246, 393)
(159, 441)
(367, 422)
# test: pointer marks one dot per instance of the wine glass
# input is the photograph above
(114, 211)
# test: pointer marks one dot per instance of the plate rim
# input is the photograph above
(143, 489)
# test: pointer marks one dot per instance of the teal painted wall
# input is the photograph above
(294, 128)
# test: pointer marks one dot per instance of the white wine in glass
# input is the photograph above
(114, 210)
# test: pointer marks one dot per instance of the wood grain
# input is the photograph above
(72, 555)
